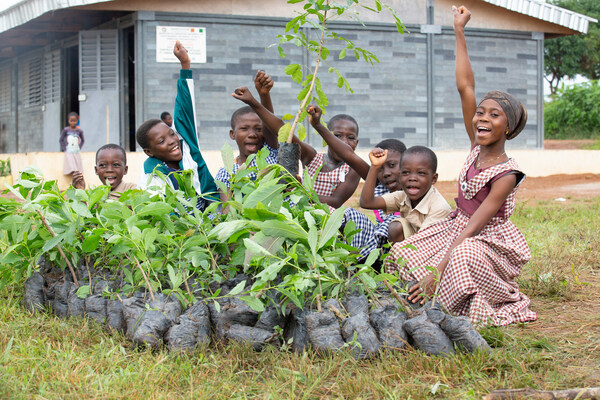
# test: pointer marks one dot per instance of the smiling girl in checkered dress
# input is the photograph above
(477, 252)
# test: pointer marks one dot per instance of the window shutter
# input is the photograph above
(5, 90)
(52, 77)
(98, 60)
(32, 73)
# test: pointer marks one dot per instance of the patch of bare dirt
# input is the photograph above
(568, 144)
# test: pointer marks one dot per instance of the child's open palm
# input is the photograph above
(378, 156)
(263, 83)
(182, 55)
(461, 16)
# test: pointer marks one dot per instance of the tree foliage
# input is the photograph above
(574, 113)
(574, 55)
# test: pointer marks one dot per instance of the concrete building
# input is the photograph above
(99, 58)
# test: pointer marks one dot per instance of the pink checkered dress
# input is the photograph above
(479, 281)
(326, 182)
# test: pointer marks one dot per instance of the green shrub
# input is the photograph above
(5, 167)
(574, 113)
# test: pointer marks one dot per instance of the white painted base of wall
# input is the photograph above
(534, 163)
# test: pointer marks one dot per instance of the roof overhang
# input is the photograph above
(547, 12)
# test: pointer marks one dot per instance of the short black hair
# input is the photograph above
(112, 146)
(72, 114)
(164, 114)
(141, 135)
(392, 144)
(342, 117)
(426, 151)
(239, 112)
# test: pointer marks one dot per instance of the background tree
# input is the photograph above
(574, 55)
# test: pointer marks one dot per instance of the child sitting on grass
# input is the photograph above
(171, 150)
(111, 165)
(419, 203)
(248, 131)
(335, 181)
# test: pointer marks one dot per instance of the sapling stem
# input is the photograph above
(337, 312)
(60, 250)
(137, 263)
(312, 83)
(399, 298)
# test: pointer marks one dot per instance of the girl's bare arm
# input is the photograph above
(465, 80)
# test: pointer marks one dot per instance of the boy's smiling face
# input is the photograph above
(110, 167)
(416, 176)
(389, 174)
(347, 132)
(163, 143)
(248, 134)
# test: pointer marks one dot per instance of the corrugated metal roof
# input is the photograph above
(547, 12)
(27, 10)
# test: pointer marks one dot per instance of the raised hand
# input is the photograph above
(263, 83)
(182, 55)
(314, 115)
(461, 16)
(378, 157)
(243, 94)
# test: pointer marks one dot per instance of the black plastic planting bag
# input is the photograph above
(114, 315)
(295, 329)
(233, 311)
(270, 318)
(357, 328)
(323, 331)
(133, 307)
(34, 292)
(95, 307)
(460, 330)
(356, 304)
(75, 304)
(288, 156)
(388, 323)
(61, 295)
(257, 337)
(428, 336)
(193, 328)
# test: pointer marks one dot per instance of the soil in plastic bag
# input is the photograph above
(358, 327)
(75, 305)
(257, 337)
(114, 315)
(388, 321)
(61, 296)
(193, 329)
(323, 331)
(356, 304)
(34, 292)
(295, 329)
(428, 336)
(288, 156)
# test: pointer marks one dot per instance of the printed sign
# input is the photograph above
(192, 38)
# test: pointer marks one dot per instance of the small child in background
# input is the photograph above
(248, 131)
(172, 151)
(71, 141)
(111, 166)
(167, 118)
(419, 203)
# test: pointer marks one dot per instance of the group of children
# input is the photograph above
(470, 256)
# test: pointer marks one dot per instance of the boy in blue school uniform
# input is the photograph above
(171, 150)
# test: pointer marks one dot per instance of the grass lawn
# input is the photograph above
(45, 357)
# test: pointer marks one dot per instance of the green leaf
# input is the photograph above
(90, 243)
(155, 209)
(286, 229)
(254, 303)
(255, 248)
(372, 257)
(83, 291)
(284, 132)
(81, 209)
(301, 132)
(225, 230)
(217, 306)
(342, 56)
(227, 157)
(281, 52)
(331, 227)
(239, 288)
(50, 244)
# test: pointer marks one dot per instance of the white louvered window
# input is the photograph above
(52, 77)
(5, 90)
(98, 60)
(32, 85)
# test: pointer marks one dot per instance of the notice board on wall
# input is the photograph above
(192, 38)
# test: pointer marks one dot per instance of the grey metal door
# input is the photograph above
(51, 107)
(98, 87)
